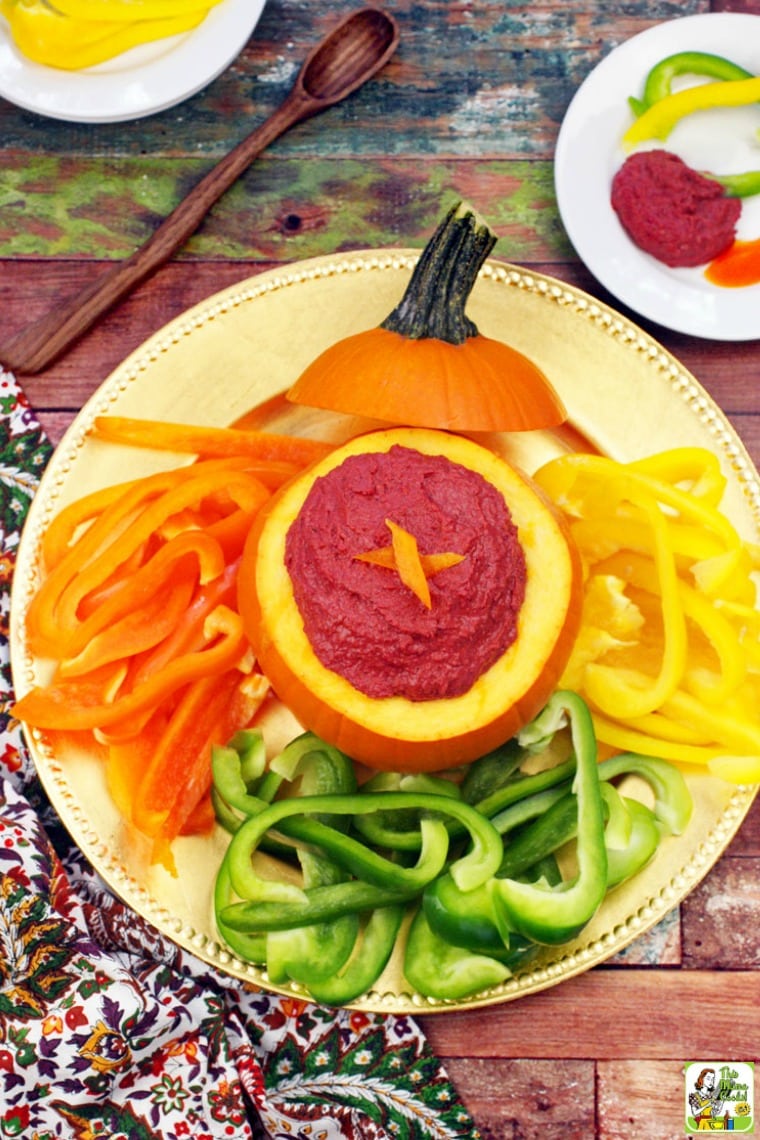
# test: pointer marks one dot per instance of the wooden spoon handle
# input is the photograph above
(43, 341)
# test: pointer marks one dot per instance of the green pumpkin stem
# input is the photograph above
(435, 298)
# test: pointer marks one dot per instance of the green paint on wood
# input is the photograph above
(280, 210)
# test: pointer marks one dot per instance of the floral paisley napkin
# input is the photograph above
(109, 1030)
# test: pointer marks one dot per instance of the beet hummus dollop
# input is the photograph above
(361, 620)
(671, 211)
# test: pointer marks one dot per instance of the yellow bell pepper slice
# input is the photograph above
(607, 687)
(130, 11)
(47, 37)
(716, 628)
(694, 466)
(668, 655)
(736, 769)
(659, 120)
(625, 738)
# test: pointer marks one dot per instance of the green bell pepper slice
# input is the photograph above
(314, 951)
(469, 870)
(673, 804)
(319, 904)
(371, 954)
(625, 859)
(467, 918)
(399, 830)
(437, 969)
(659, 81)
(554, 914)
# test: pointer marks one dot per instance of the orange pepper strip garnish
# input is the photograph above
(413, 568)
(407, 557)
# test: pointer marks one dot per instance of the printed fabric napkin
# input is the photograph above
(107, 1029)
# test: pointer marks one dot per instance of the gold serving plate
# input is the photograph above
(230, 359)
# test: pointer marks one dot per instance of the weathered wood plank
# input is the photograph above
(616, 1014)
(721, 918)
(282, 209)
(463, 73)
(641, 1098)
(532, 1100)
(747, 840)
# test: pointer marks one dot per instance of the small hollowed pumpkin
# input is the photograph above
(427, 365)
(395, 731)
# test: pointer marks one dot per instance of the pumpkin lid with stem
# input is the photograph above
(427, 365)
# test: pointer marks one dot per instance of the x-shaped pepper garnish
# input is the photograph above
(404, 557)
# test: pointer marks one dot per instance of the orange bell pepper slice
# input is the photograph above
(178, 776)
(62, 616)
(137, 631)
(221, 442)
(75, 706)
(190, 557)
(188, 635)
(69, 554)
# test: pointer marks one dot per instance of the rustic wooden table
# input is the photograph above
(470, 106)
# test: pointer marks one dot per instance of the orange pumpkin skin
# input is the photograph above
(397, 734)
(481, 385)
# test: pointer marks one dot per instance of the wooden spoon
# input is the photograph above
(347, 57)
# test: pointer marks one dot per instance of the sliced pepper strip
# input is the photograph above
(53, 707)
(241, 488)
(192, 547)
(600, 479)
(607, 688)
(469, 870)
(189, 635)
(47, 36)
(179, 773)
(124, 11)
(140, 630)
(631, 739)
(732, 665)
(673, 804)
(437, 969)
(371, 954)
(316, 952)
(210, 441)
(659, 81)
(627, 859)
(659, 120)
(317, 904)
(556, 914)
(43, 627)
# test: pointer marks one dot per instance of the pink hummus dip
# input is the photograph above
(672, 212)
(361, 619)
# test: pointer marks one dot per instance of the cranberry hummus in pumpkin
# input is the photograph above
(412, 598)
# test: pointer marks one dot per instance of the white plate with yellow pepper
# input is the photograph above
(114, 60)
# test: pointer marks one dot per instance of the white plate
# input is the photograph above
(589, 152)
(137, 83)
